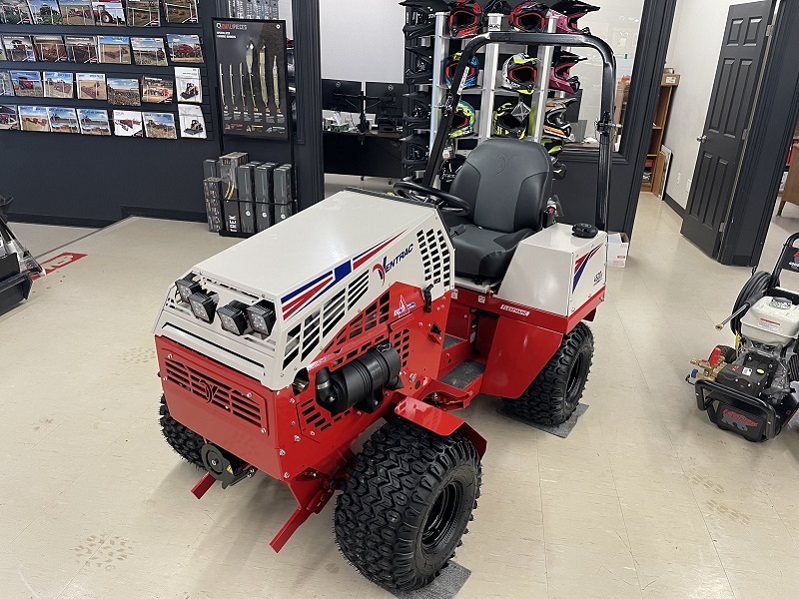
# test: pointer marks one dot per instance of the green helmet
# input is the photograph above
(510, 120)
(463, 120)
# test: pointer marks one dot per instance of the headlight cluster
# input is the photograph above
(235, 317)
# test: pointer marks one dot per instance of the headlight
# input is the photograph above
(186, 287)
(203, 306)
(261, 318)
(233, 318)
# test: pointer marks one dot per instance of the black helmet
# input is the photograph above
(573, 10)
(529, 17)
(511, 120)
(448, 169)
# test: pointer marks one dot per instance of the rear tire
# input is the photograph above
(183, 440)
(554, 394)
(406, 504)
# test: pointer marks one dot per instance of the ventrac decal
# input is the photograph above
(382, 268)
(579, 266)
(296, 300)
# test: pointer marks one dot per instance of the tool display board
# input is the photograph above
(251, 68)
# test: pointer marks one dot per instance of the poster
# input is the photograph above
(251, 69)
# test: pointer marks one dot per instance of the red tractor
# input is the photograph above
(278, 356)
(185, 51)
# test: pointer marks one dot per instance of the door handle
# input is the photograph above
(702, 139)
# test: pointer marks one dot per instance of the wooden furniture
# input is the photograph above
(654, 158)
(790, 193)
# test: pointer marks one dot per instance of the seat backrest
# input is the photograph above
(507, 182)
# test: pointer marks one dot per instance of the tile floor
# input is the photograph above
(645, 499)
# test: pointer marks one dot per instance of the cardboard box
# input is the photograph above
(264, 195)
(618, 246)
(246, 191)
(284, 193)
(213, 188)
(210, 169)
(227, 171)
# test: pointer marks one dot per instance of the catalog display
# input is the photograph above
(192, 122)
(93, 122)
(58, 84)
(188, 85)
(252, 77)
(8, 117)
(63, 120)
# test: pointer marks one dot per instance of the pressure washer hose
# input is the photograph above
(753, 290)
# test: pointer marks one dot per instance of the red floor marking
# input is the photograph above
(59, 261)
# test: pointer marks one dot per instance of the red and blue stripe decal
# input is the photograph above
(296, 300)
(579, 266)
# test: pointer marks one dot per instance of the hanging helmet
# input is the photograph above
(529, 17)
(451, 65)
(520, 73)
(556, 111)
(572, 11)
(558, 169)
(448, 169)
(560, 78)
(465, 17)
(463, 120)
(511, 120)
(553, 146)
(558, 133)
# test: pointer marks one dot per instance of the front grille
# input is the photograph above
(223, 396)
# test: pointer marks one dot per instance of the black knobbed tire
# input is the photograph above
(554, 394)
(406, 504)
(183, 440)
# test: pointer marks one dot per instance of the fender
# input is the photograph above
(438, 421)
(520, 351)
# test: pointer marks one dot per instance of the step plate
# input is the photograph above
(464, 374)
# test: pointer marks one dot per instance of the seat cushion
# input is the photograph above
(483, 253)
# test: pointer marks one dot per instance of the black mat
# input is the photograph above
(446, 586)
(559, 430)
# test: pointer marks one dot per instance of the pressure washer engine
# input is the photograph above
(748, 389)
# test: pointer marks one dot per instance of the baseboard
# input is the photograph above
(672, 203)
(197, 217)
(61, 221)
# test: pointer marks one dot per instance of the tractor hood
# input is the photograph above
(351, 225)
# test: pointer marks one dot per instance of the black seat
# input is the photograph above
(507, 182)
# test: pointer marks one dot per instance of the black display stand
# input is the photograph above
(85, 180)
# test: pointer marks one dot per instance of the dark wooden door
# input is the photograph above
(727, 119)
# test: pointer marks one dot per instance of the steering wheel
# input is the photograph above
(445, 202)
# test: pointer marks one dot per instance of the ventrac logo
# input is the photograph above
(208, 391)
(384, 267)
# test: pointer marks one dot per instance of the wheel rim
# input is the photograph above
(442, 517)
(574, 384)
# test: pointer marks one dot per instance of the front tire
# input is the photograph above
(406, 504)
(183, 440)
(554, 394)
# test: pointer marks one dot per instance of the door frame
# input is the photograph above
(776, 112)
(578, 189)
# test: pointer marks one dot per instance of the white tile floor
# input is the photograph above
(645, 499)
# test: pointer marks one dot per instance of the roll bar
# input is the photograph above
(604, 125)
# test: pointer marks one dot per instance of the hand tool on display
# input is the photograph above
(276, 85)
(262, 76)
(248, 57)
(241, 87)
(222, 88)
(232, 89)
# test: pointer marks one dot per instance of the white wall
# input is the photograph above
(693, 51)
(362, 40)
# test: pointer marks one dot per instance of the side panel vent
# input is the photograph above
(435, 257)
(215, 393)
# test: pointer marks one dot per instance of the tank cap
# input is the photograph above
(584, 231)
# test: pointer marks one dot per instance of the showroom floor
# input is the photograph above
(645, 499)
